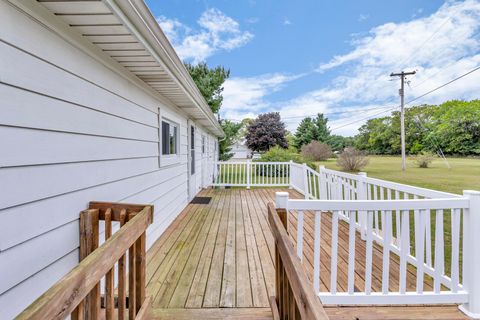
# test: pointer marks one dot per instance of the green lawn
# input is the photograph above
(463, 175)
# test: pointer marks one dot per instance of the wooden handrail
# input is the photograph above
(78, 292)
(296, 298)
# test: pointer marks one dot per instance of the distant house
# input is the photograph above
(241, 151)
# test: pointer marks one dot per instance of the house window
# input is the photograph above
(169, 138)
(203, 144)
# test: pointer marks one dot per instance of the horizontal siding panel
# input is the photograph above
(25, 71)
(33, 183)
(42, 216)
(34, 147)
(27, 109)
(25, 33)
(18, 262)
(15, 300)
(26, 259)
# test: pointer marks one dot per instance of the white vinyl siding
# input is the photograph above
(71, 131)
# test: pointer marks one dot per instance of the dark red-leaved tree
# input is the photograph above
(265, 132)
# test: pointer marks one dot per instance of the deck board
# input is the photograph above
(221, 255)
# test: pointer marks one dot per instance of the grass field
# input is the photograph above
(463, 175)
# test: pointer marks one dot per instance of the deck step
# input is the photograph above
(443, 312)
(212, 313)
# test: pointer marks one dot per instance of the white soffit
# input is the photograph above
(127, 32)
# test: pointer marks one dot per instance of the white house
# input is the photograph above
(95, 105)
(241, 151)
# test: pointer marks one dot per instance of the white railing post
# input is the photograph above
(249, 170)
(305, 180)
(290, 166)
(323, 183)
(281, 200)
(362, 195)
(471, 254)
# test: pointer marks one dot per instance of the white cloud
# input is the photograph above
(440, 47)
(216, 32)
(287, 22)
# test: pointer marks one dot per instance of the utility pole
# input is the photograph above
(402, 110)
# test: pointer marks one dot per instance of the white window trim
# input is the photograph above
(168, 159)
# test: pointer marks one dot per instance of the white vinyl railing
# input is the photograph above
(252, 174)
(405, 221)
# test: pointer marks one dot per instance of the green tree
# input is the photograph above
(456, 127)
(231, 130)
(312, 129)
(209, 82)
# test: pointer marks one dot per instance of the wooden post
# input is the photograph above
(89, 240)
(290, 165)
(471, 254)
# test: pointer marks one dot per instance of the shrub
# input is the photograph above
(278, 154)
(316, 151)
(424, 159)
(352, 159)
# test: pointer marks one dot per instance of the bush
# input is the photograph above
(352, 159)
(424, 160)
(316, 151)
(278, 154)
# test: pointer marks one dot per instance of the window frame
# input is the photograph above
(170, 158)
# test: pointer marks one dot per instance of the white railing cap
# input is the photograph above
(281, 200)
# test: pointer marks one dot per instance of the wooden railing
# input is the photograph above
(78, 293)
(295, 297)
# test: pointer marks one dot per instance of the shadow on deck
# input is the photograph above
(220, 256)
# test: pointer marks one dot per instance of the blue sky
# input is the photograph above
(304, 57)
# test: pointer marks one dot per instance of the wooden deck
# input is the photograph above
(220, 255)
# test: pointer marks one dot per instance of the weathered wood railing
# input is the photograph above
(295, 298)
(78, 293)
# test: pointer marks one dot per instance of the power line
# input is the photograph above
(366, 118)
(445, 84)
(410, 101)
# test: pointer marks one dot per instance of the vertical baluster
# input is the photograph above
(455, 220)
(387, 239)
(316, 252)
(109, 285)
(405, 249)
(369, 249)
(334, 255)
(397, 220)
(121, 275)
(382, 214)
(439, 260)
(419, 247)
(140, 268)
(351, 252)
(131, 279)
(263, 173)
(300, 234)
(428, 238)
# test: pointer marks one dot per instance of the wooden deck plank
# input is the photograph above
(228, 291)
(244, 289)
(215, 276)
(199, 282)
(221, 255)
(182, 289)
